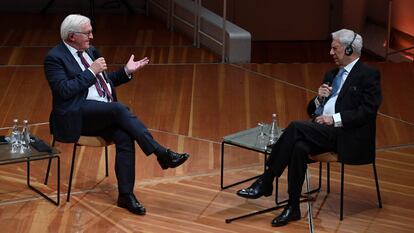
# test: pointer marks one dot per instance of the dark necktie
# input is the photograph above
(101, 87)
(336, 84)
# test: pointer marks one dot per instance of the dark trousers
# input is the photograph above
(299, 139)
(113, 121)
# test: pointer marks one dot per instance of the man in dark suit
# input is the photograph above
(85, 103)
(343, 121)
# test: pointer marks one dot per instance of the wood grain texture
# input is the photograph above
(189, 102)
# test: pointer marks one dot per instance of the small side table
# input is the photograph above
(246, 139)
(6, 157)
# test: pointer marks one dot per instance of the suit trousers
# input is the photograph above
(298, 140)
(113, 121)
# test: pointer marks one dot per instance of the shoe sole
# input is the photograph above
(285, 223)
(126, 207)
(255, 197)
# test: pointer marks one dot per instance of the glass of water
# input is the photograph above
(262, 139)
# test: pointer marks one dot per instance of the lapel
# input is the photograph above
(350, 79)
(70, 60)
(90, 53)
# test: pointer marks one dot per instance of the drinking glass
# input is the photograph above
(262, 139)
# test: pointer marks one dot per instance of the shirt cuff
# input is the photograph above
(337, 120)
(129, 75)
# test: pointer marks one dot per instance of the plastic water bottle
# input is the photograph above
(274, 130)
(25, 138)
(15, 137)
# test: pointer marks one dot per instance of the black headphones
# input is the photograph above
(349, 50)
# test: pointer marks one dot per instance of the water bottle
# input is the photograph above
(15, 137)
(274, 130)
(25, 138)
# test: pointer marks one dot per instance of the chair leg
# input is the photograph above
(328, 177)
(310, 217)
(320, 176)
(342, 192)
(377, 185)
(320, 181)
(106, 160)
(48, 164)
(71, 171)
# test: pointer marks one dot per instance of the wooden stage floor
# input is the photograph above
(189, 102)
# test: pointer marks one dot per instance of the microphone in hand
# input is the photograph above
(322, 99)
(97, 55)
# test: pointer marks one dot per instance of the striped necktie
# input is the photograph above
(100, 83)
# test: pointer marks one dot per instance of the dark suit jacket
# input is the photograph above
(69, 85)
(358, 103)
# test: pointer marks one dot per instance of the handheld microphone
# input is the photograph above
(323, 98)
(319, 110)
(96, 54)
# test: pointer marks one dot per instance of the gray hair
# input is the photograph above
(72, 23)
(345, 36)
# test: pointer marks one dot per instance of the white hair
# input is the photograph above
(72, 23)
(345, 37)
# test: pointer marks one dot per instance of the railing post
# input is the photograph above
(196, 36)
(223, 48)
(387, 46)
(170, 15)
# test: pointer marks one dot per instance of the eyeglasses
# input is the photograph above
(89, 33)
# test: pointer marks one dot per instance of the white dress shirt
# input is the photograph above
(329, 108)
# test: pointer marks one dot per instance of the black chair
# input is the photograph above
(92, 141)
(333, 157)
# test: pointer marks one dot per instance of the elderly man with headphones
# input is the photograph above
(343, 121)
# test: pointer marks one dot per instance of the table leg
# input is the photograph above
(222, 169)
(58, 180)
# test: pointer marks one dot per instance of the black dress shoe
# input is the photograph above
(130, 202)
(288, 214)
(172, 159)
(256, 190)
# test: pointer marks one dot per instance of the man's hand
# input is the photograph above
(324, 120)
(98, 65)
(133, 66)
(324, 91)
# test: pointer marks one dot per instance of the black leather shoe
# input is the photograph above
(288, 214)
(256, 190)
(172, 159)
(130, 202)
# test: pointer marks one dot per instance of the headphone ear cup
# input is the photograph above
(348, 49)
